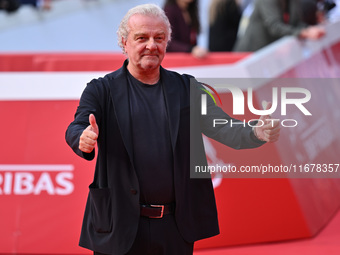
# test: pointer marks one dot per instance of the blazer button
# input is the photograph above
(133, 191)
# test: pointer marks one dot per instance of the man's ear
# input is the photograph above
(124, 44)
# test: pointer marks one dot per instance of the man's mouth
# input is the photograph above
(150, 55)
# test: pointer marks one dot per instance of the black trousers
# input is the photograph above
(159, 237)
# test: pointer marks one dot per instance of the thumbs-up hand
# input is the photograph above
(88, 138)
(267, 129)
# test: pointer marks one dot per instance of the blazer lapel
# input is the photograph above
(172, 101)
(120, 98)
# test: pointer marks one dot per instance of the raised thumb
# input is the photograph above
(266, 105)
(93, 123)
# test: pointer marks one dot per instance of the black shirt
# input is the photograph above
(152, 149)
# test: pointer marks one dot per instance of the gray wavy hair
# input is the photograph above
(143, 9)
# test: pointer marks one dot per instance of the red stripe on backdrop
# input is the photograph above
(71, 62)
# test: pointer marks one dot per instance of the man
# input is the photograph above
(224, 19)
(274, 19)
(142, 200)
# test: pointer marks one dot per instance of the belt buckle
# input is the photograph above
(162, 211)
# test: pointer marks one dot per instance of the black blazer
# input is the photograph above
(112, 210)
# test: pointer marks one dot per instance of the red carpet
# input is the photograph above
(327, 242)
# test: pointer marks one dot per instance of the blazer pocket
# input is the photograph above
(101, 209)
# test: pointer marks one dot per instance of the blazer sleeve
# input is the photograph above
(89, 103)
(235, 136)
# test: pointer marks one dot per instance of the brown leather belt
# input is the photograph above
(156, 211)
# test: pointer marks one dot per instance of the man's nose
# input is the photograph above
(151, 45)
